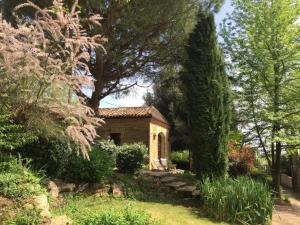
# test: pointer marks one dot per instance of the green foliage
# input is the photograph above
(97, 169)
(26, 216)
(207, 99)
(51, 155)
(17, 180)
(261, 41)
(241, 200)
(131, 157)
(12, 134)
(125, 216)
(180, 156)
(138, 187)
(261, 175)
(104, 211)
(181, 159)
(188, 177)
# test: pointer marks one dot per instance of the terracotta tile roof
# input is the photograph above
(132, 112)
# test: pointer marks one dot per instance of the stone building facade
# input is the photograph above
(137, 124)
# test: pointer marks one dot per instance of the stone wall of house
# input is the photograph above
(130, 129)
(144, 130)
(158, 128)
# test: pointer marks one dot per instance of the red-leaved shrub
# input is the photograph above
(241, 159)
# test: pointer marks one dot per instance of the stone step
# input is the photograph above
(176, 171)
(176, 184)
(186, 191)
(196, 194)
(155, 173)
(168, 179)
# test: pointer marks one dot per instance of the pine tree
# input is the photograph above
(206, 93)
(142, 38)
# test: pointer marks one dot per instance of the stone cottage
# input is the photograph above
(138, 124)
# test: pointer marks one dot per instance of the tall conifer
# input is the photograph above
(206, 93)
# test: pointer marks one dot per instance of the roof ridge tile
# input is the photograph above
(133, 112)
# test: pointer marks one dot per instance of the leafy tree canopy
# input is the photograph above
(143, 37)
(261, 40)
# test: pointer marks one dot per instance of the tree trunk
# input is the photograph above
(276, 165)
(94, 102)
(276, 182)
(276, 170)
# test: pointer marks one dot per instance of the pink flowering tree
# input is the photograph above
(43, 64)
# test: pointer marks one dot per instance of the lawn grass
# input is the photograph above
(165, 213)
(169, 214)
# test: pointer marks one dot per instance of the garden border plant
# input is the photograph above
(17, 180)
(97, 169)
(241, 200)
(131, 157)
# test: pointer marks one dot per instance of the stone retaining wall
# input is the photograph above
(286, 181)
(296, 172)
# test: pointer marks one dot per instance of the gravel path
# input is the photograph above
(288, 214)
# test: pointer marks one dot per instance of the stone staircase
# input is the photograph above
(173, 182)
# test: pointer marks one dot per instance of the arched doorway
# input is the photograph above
(161, 146)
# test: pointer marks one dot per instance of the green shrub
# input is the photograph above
(181, 159)
(52, 155)
(138, 187)
(17, 180)
(241, 200)
(125, 216)
(131, 157)
(12, 134)
(97, 169)
(26, 216)
(261, 175)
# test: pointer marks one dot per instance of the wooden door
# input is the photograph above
(159, 147)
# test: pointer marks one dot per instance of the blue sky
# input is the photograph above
(135, 98)
(226, 8)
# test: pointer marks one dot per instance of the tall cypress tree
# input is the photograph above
(206, 93)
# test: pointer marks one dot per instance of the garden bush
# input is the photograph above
(17, 180)
(51, 155)
(25, 216)
(125, 216)
(181, 159)
(131, 157)
(260, 175)
(241, 159)
(140, 187)
(240, 201)
(12, 134)
(97, 169)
